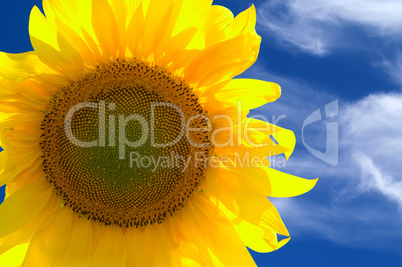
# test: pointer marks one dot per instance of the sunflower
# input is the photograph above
(122, 133)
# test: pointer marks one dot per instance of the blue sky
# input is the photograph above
(319, 52)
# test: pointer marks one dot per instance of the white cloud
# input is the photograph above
(375, 179)
(372, 135)
(315, 26)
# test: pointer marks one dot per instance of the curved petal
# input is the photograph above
(107, 255)
(156, 22)
(243, 196)
(243, 93)
(135, 31)
(30, 175)
(79, 32)
(160, 245)
(27, 91)
(261, 236)
(10, 166)
(286, 185)
(63, 10)
(210, 230)
(249, 138)
(78, 43)
(192, 14)
(46, 44)
(285, 138)
(79, 245)
(18, 67)
(223, 60)
(49, 242)
(105, 28)
(258, 238)
(23, 205)
(243, 23)
(138, 254)
(219, 18)
(119, 9)
(15, 256)
(25, 233)
(190, 256)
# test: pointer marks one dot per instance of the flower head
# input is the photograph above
(127, 143)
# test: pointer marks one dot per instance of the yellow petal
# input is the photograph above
(135, 31)
(23, 205)
(156, 21)
(26, 91)
(14, 257)
(175, 48)
(255, 134)
(193, 14)
(260, 237)
(131, 7)
(111, 250)
(18, 67)
(73, 59)
(244, 93)
(223, 60)
(24, 234)
(64, 11)
(120, 13)
(243, 23)
(27, 176)
(41, 30)
(79, 245)
(159, 244)
(286, 185)
(249, 139)
(210, 230)
(97, 230)
(285, 138)
(49, 242)
(269, 181)
(190, 256)
(19, 120)
(242, 196)
(105, 27)
(137, 253)
(77, 15)
(77, 42)
(10, 166)
(219, 18)
(5, 88)
(44, 40)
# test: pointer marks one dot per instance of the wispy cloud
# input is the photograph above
(316, 26)
(372, 136)
(365, 189)
(341, 223)
(393, 67)
(373, 178)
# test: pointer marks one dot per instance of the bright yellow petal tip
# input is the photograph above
(15, 256)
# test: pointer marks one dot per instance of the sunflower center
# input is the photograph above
(127, 145)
